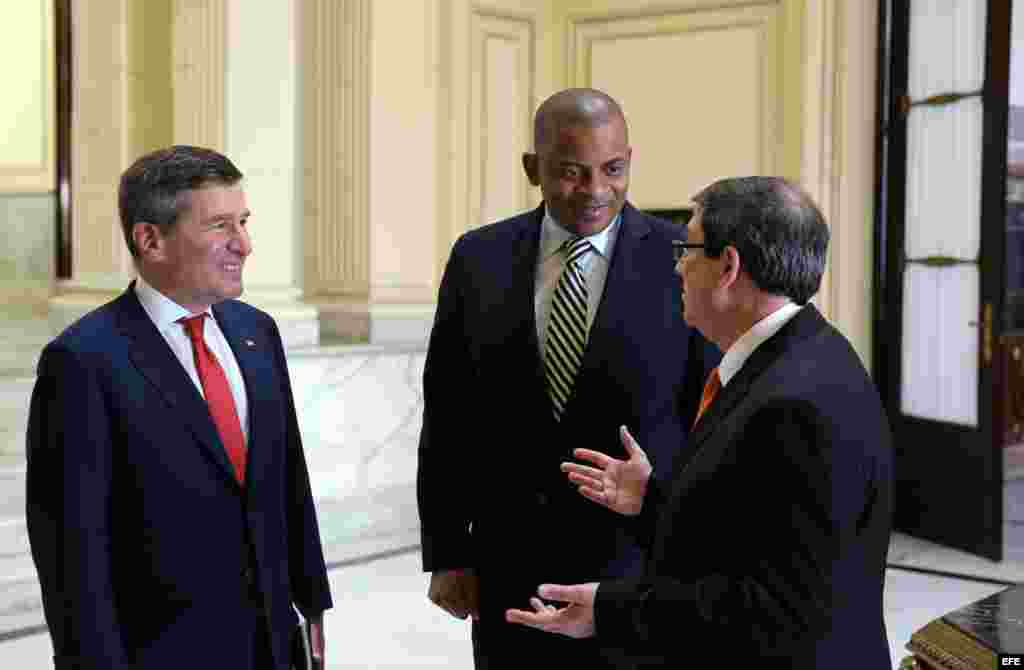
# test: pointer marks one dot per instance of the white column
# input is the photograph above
(261, 138)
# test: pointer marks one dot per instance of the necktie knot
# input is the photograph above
(194, 326)
(711, 388)
(576, 248)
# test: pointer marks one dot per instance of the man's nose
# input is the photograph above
(595, 185)
(241, 243)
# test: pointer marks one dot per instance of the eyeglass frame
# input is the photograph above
(680, 249)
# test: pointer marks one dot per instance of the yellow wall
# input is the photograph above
(260, 132)
(403, 149)
(27, 112)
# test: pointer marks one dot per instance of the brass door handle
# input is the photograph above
(986, 335)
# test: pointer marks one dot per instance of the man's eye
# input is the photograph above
(571, 172)
(616, 169)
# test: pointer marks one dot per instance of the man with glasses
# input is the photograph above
(553, 329)
(769, 546)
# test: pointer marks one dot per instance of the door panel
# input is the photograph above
(941, 238)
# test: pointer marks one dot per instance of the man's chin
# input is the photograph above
(232, 291)
(584, 226)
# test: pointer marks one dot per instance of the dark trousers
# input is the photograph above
(262, 654)
(499, 646)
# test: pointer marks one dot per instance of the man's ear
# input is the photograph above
(148, 239)
(531, 166)
(731, 267)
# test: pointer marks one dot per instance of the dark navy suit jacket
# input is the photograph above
(769, 547)
(147, 547)
(491, 495)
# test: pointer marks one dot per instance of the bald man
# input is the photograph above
(553, 329)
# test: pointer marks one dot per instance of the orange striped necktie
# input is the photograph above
(711, 388)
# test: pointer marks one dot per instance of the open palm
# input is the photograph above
(617, 484)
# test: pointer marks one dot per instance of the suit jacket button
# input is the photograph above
(542, 498)
(247, 576)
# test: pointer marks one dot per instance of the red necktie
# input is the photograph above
(711, 388)
(218, 395)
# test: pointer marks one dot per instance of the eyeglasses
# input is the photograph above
(682, 249)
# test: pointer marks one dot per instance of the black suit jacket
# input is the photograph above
(770, 545)
(147, 547)
(491, 495)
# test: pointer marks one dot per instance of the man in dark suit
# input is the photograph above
(552, 329)
(769, 546)
(169, 507)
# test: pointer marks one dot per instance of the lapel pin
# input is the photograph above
(250, 343)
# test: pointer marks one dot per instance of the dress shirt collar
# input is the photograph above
(553, 236)
(742, 348)
(163, 311)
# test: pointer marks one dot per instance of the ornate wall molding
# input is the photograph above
(846, 156)
(335, 37)
(822, 141)
(503, 82)
(491, 70)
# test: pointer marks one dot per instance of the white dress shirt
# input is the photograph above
(741, 349)
(550, 264)
(164, 313)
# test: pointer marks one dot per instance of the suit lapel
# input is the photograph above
(807, 322)
(255, 358)
(156, 362)
(524, 285)
(627, 257)
(524, 275)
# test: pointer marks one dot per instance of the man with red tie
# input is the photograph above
(769, 545)
(168, 501)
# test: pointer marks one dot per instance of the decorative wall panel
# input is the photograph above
(501, 111)
(27, 130)
(700, 88)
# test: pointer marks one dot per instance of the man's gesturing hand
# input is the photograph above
(575, 619)
(618, 485)
(456, 591)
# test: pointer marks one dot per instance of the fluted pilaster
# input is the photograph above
(336, 130)
(198, 72)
